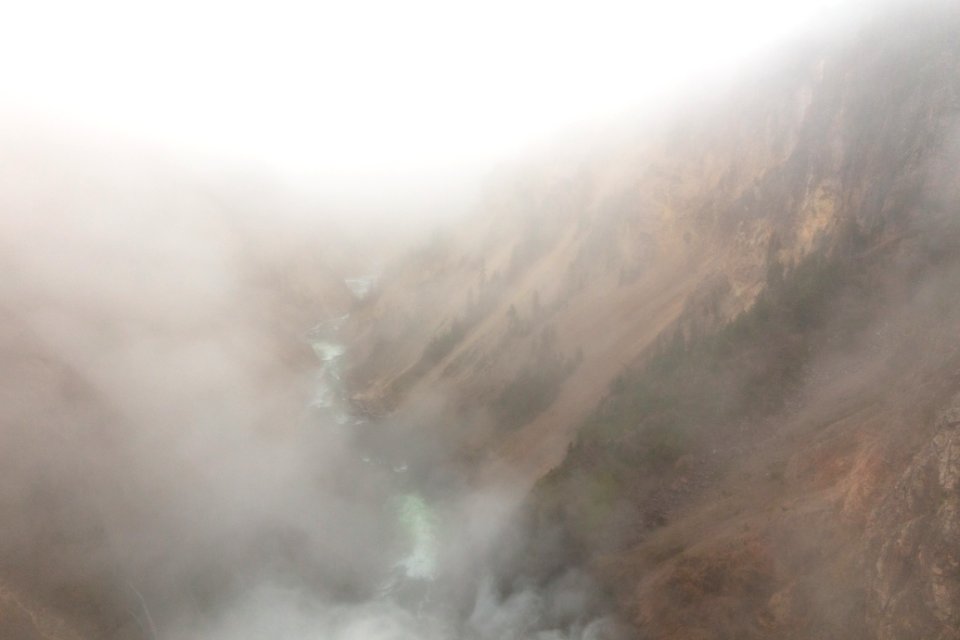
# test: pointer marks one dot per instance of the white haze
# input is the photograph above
(162, 464)
(156, 440)
(368, 96)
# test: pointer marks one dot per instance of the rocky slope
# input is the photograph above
(914, 579)
(718, 344)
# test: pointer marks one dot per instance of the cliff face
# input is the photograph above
(914, 541)
(581, 261)
(718, 345)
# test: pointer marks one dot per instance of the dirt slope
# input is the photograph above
(800, 486)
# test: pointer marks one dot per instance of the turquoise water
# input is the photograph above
(419, 524)
(361, 286)
(416, 520)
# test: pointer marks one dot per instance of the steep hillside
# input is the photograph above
(582, 262)
(723, 347)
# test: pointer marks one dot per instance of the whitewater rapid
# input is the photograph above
(416, 520)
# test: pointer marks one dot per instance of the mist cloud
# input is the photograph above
(164, 472)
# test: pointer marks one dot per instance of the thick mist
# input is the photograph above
(183, 455)
(179, 463)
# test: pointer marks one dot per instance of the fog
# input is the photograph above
(357, 98)
(194, 198)
(180, 459)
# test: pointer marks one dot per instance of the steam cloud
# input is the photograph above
(165, 476)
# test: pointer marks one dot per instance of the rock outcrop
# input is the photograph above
(915, 543)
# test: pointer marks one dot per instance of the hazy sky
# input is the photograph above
(364, 87)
